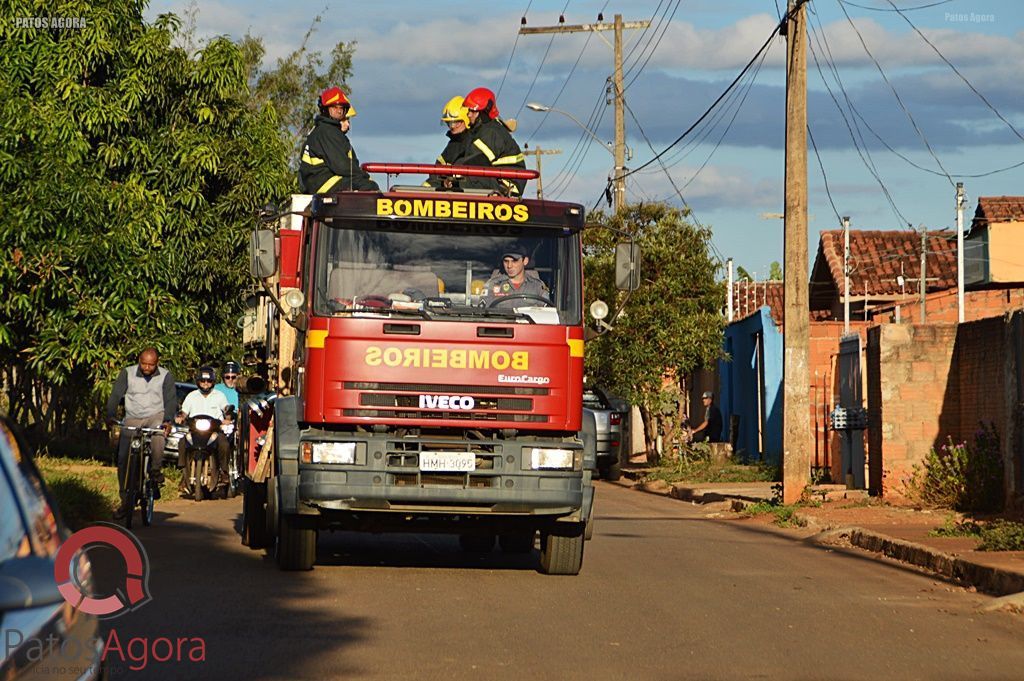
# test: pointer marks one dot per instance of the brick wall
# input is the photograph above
(941, 306)
(908, 388)
(979, 376)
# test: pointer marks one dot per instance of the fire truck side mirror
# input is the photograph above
(627, 266)
(262, 254)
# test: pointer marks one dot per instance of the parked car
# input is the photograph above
(609, 432)
(178, 431)
(44, 637)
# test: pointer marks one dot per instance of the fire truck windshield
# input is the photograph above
(448, 271)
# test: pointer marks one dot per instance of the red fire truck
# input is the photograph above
(414, 386)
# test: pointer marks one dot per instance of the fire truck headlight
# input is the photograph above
(294, 298)
(334, 452)
(558, 459)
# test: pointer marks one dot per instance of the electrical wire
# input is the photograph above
(540, 67)
(657, 42)
(509, 65)
(896, 94)
(905, 9)
(824, 176)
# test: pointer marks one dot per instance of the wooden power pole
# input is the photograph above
(538, 152)
(796, 431)
(618, 181)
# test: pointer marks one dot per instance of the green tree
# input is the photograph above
(669, 327)
(774, 272)
(292, 86)
(130, 170)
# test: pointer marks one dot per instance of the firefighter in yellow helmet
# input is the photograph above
(453, 115)
(329, 163)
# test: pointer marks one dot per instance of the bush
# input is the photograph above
(1002, 535)
(962, 477)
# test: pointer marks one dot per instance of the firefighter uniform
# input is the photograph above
(329, 163)
(501, 285)
(491, 145)
(453, 154)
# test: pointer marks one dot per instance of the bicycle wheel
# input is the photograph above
(131, 488)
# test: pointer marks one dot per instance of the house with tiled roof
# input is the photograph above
(885, 267)
(750, 296)
(994, 249)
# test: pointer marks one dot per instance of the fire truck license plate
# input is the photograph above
(448, 462)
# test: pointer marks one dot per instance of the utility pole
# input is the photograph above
(960, 200)
(846, 277)
(796, 432)
(618, 180)
(922, 284)
(538, 152)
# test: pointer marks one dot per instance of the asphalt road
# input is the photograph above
(665, 593)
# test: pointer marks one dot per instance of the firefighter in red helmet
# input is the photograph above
(491, 144)
(329, 163)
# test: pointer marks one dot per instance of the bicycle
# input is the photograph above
(139, 489)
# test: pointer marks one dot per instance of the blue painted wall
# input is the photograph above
(739, 385)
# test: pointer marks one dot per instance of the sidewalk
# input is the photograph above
(852, 519)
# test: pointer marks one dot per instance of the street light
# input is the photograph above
(534, 106)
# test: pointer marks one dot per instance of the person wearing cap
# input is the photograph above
(229, 382)
(516, 280)
(711, 429)
(329, 163)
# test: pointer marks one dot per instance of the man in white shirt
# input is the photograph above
(204, 402)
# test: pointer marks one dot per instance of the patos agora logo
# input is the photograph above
(131, 595)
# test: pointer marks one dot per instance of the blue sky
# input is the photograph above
(412, 56)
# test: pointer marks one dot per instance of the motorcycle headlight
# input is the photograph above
(203, 425)
(557, 459)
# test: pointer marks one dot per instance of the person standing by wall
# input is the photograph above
(711, 429)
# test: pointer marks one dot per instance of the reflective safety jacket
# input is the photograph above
(492, 145)
(454, 154)
(329, 163)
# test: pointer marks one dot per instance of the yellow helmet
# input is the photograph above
(454, 110)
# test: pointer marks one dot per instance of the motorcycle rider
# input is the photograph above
(491, 144)
(205, 401)
(229, 382)
(329, 162)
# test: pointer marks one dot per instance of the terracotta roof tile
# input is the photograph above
(999, 209)
(877, 257)
(751, 296)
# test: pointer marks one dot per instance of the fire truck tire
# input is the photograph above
(254, 521)
(476, 543)
(561, 550)
(588, 533)
(296, 543)
(516, 542)
(613, 472)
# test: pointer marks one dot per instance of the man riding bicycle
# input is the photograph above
(150, 401)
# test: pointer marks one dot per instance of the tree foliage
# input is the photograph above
(292, 86)
(671, 326)
(129, 173)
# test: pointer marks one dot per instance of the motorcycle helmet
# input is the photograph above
(230, 367)
(481, 99)
(333, 96)
(454, 110)
(208, 375)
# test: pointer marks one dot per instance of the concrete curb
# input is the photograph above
(985, 578)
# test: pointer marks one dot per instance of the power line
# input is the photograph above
(896, 94)
(821, 165)
(667, 24)
(540, 66)
(507, 66)
(905, 9)
(957, 72)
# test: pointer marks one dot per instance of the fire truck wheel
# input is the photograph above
(588, 533)
(517, 542)
(296, 543)
(476, 543)
(562, 553)
(254, 521)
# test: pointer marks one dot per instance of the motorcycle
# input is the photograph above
(201, 448)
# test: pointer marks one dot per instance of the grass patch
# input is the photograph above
(86, 490)
(1002, 535)
(785, 514)
(965, 528)
(695, 465)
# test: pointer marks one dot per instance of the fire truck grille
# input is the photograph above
(412, 402)
(449, 388)
(447, 415)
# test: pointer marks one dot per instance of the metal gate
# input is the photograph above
(851, 396)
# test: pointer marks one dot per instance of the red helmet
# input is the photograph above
(482, 100)
(333, 96)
